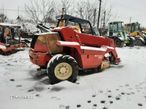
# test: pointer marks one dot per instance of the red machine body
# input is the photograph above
(88, 50)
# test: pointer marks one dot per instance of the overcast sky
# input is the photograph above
(136, 9)
(122, 9)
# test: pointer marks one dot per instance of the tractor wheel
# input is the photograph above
(119, 43)
(131, 42)
(145, 39)
(139, 42)
(62, 67)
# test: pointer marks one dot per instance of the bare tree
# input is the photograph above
(106, 14)
(3, 17)
(66, 4)
(87, 10)
(40, 10)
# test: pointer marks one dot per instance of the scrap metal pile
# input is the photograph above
(10, 39)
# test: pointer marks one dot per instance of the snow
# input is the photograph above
(94, 48)
(112, 48)
(8, 24)
(28, 27)
(118, 87)
(2, 47)
(46, 33)
(68, 43)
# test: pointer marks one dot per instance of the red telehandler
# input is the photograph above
(71, 46)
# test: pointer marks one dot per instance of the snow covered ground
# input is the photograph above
(119, 87)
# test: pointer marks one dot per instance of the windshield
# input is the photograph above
(80, 27)
(115, 27)
(86, 28)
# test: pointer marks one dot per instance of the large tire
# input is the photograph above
(118, 42)
(145, 39)
(62, 67)
(139, 42)
(131, 41)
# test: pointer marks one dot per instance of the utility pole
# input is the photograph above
(99, 11)
(94, 17)
(104, 19)
(130, 19)
(3, 10)
(18, 10)
(18, 17)
(81, 13)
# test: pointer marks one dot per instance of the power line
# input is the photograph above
(16, 10)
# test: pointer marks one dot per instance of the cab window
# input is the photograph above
(86, 28)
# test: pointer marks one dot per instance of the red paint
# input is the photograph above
(86, 58)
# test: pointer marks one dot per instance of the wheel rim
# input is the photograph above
(63, 71)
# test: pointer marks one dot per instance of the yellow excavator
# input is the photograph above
(134, 30)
